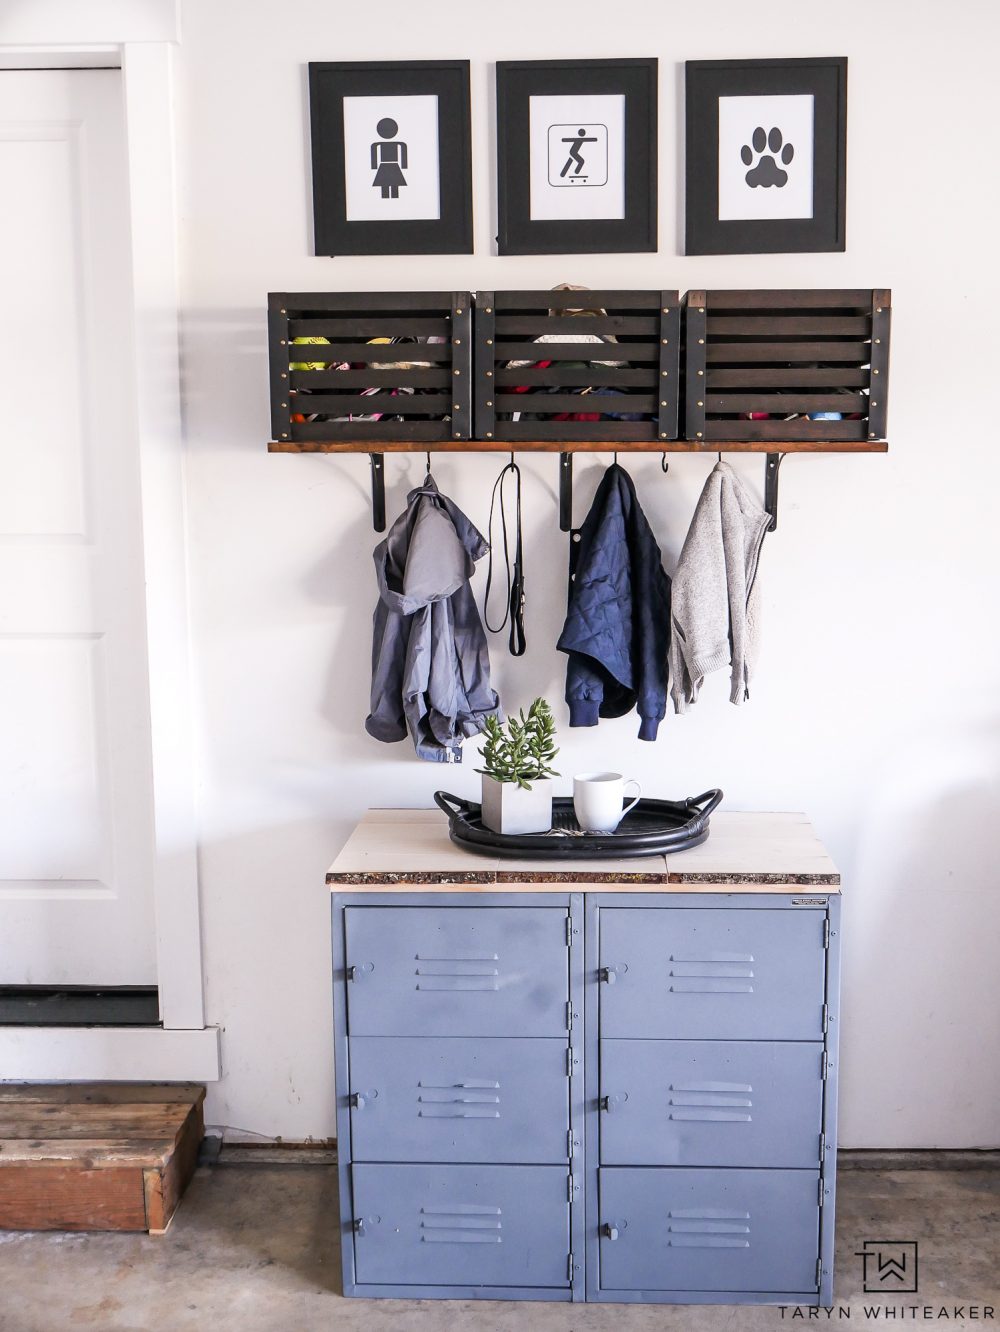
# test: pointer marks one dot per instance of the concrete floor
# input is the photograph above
(253, 1248)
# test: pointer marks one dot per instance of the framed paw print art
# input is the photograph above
(766, 156)
(391, 157)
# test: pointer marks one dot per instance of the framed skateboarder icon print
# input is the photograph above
(766, 156)
(576, 156)
(391, 157)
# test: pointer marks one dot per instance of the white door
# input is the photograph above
(76, 830)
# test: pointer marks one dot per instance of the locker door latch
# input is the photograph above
(611, 1229)
(610, 974)
(359, 1100)
(358, 972)
(613, 1101)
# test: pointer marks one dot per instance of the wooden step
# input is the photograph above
(97, 1155)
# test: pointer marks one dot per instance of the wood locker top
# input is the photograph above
(409, 849)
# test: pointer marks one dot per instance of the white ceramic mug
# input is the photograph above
(597, 800)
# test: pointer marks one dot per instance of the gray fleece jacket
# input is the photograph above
(715, 597)
(430, 662)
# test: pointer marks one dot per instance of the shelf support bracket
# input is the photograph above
(565, 492)
(377, 461)
(774, 461)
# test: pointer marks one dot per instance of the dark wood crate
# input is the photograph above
(635, 374)
(421, 389)
(788, 354)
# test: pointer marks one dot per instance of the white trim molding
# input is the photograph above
(109, 1054)
(142, 32)
(146, 70)
(68, 24)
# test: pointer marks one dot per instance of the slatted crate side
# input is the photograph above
(786, 353)
(421, 389)
(637, 374)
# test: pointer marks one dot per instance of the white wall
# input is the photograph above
(876, 702)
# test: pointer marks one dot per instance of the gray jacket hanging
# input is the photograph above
(715, 589)
(430, 662)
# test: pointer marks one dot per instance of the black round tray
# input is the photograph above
(652, 828)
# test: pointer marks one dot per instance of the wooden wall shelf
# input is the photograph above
(579, 446)
(762, 372)
(375, 449)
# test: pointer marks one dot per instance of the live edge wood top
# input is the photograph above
(409, 850)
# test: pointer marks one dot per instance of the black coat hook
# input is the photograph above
(565, 492)
(774, 461)
(378, 490)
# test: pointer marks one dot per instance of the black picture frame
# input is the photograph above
(708, 80)
(329, 83)
(519, 80)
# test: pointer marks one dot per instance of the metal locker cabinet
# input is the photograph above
(461, 1225)
(711, 1103)
(703, 974)
(503, 1099)
(704, 1230)
(457, 971)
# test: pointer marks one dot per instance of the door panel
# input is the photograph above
(461, 1225)
(711, 1103)
(76, 833)
(457, 971)
(703, 973)
(733, 1230)
(453, 1099)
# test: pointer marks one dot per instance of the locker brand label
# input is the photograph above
(809, 901)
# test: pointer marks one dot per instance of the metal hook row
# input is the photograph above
(377, 461)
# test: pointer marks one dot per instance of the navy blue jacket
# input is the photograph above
(617, 629)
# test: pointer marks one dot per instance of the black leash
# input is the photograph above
(514, 607)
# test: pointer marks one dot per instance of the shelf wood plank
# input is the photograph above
(581, 446)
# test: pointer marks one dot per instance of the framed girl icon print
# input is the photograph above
(576, 156)
(391, 157)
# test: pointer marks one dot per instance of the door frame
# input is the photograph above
(140, 40)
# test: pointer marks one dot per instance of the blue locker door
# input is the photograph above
(725, 1230)
(457, 971)
(461, 1225)
(711, 1103)
(459, 1099)
(712, 974)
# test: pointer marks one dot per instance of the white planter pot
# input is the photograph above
(509, 809)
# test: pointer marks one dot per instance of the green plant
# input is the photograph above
(522, 752)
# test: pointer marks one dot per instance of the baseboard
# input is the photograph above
(936, 1158)
(276, 1153)
(109, 1054)
(851, 1158)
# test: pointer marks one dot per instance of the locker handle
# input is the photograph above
(355, 973)
(609, 1230)
(359, 1225)
(613, 1101)
(358, 1100)
(611, 973)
